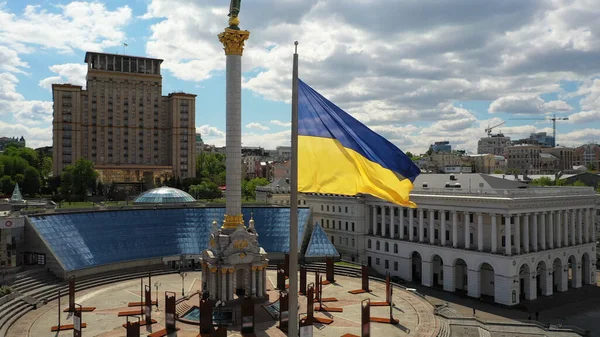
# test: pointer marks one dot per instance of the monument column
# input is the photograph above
(233, 40)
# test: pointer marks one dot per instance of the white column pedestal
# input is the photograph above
(474, 282)
(449, 278)
(426, 273)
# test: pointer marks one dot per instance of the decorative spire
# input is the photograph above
(251, 222)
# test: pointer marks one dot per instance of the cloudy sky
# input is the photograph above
(415, 71)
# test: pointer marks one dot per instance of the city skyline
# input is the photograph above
(451, 70)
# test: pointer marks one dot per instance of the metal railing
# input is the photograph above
(507, 193)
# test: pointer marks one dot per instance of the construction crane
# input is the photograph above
(553, 119)
(489, 129)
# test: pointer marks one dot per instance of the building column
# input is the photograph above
(534, 232)
(550, 219)
(507, 235)
(480, 232)
(410, 224)
(421, 225)
(431, 226)
(564, 279)
(234, 282)
(526, 241)
(593, 225)
(374, 222)
(473, 283)
(573, 227)
(494, 232)
(517, 234)
(532, 293)
(262, 281)
(558, 229)
(223, 284)
(467, 223)
(454, 230)
(576, 276)
(449, 278)
(443, 227)
(392, 224)
(426, 273)
(579, 226)
(213, 284)
(586, 236)
(549, 289)
(543, 231)
(401, 223)
(565, 228)
(253, 285)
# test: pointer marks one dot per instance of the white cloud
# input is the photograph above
(257, 126)
(585, 117)
(34, 136)
(77, 25)
(280, 123)
(526, 105)
(14, 105)
(10, 61)
(72, 73)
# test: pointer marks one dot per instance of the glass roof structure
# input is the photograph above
(88, 239)
(164, 195)
(319, 245)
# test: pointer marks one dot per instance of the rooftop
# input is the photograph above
(123, 55)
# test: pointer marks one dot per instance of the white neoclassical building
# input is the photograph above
(472, 233)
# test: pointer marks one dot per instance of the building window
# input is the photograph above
(327, 223)
(377, 245)
(471, 238)
(387, 264)
(424, 214)
(471, 217)
(405, 231)
(425, 233)
(353, 226)
(415, 231)
(395, 265)
(340, 224)
(435, 215)
(369, 244)
(321, 207)
(447, 215)
(340, 209)
(503, 240)
(346, 225)
(353, 242)
(405, 212)
(386, 247)
(377, 261)
(332, 240)
(346, 209)
(369, 261)
(346, 241)
(436, 234)
(396, 248)
(327, 208)
(448, 235)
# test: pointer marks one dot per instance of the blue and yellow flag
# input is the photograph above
(339, 155)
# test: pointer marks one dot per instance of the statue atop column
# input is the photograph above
(234, 10)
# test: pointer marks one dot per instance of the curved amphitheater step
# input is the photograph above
(36, 294)
(484, 333)
(444, 327)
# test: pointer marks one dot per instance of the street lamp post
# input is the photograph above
(156, 286)
(183, 275)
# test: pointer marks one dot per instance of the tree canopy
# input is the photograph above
(22, 165)
(249, 187)
(77, 180)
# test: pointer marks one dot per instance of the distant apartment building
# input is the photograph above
(441, 147)
(199, 143)
(488, 163)
(122, 123)
(524, 159)
(588, 155)
(284, 152)
(7, 141)
(565, 156)
(495, 144)
(543, 139)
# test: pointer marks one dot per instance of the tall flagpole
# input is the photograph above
(293, 274)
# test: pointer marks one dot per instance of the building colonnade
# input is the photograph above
(222, 282)
(526, 232)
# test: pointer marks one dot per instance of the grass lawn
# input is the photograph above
(75, 204)
(346, 264)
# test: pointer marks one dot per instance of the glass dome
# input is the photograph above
(164, 195)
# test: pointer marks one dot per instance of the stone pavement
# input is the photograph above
(414, 313)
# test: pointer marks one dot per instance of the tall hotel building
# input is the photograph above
(122, 123)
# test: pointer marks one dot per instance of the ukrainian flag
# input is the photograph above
(339, 155)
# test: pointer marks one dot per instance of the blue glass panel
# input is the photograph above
(319, 245)
(82, 240)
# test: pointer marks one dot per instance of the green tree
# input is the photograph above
(7, 184)
(498, 171)
(211, 167)
(45, 168)
(81, 177)
(542, 181)
(100, 188)
(579, 183)
(28, 154)
(408, 154)
(31, 181)
(13, 165)
(206, 190)
(19, 178)
(249, 187)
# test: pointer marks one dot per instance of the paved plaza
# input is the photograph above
(414, 313)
